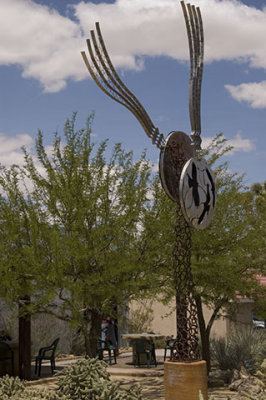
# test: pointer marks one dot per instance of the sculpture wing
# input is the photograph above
(104, 74)
(195, 35)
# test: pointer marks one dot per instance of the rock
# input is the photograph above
(215, 382)
(235, 375)
(235, 384)
(263, 366)
(247, 383)
(219, 377)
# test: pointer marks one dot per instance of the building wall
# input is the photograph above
(164, 321)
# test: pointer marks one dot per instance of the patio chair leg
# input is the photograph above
(12, 366)
(137, 359)
(115, 356)
(6, 366)
(171, 354)
(110, 357)
(39, 367)
(155, 361)
(100, 354)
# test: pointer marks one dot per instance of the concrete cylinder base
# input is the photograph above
(184, 381)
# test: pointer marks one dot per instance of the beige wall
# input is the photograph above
(164, 321)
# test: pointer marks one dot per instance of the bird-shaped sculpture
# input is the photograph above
(180, 162)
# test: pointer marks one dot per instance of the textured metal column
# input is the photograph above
(186, 313)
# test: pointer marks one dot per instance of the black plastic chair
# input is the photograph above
(7, 356)
(170, 345)
(103, 346)
(46, 353)
(147, 348)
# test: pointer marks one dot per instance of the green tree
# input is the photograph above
(86, 212)
(259, 192)
(224, 256)
(22, 255)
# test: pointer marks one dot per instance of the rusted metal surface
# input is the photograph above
(186, 348)
(195, 35)
(104, 74)
(176, 151)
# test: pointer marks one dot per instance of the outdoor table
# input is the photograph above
(148, 337)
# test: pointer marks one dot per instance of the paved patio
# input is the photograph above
(150, 379)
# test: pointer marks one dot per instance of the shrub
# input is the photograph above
(85, 380)
(246, 347)
(89, 380)
(9, 386)
(13, 389)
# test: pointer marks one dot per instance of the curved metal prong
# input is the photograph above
(104, 74)
(119, 83)
(194, 27)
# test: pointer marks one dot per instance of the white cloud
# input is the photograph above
(156, 27)
(47, 45)
(10, 148)
(238, 143)
(253, 93)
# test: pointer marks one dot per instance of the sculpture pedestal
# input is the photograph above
(185, 380)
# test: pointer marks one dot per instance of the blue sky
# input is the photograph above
(43, 79)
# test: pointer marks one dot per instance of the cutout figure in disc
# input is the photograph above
(197, 193)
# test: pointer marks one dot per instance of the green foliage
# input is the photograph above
(10, 386)
(14, 389)
(77, 379)
(71, 227)
(89, 380)
(218, 260)
(259, 191)
(40, 394)
(85, 380)
(246, 347)
(220, 266)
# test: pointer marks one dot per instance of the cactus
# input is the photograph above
(85, 380)
(9, 386)
(89, 380)
(13, 389)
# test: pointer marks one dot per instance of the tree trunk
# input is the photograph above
(204, 335)
(25, 343)
(92, 331)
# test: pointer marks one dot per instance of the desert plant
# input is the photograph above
(89, 380)
(78, 379)
(85, 380)
(9, 386)
(246, 347)
(39, 394)
(14, 389)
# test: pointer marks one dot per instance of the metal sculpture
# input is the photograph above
(192, 187)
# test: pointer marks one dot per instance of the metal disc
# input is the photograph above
(177, 150)
(197, 193)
